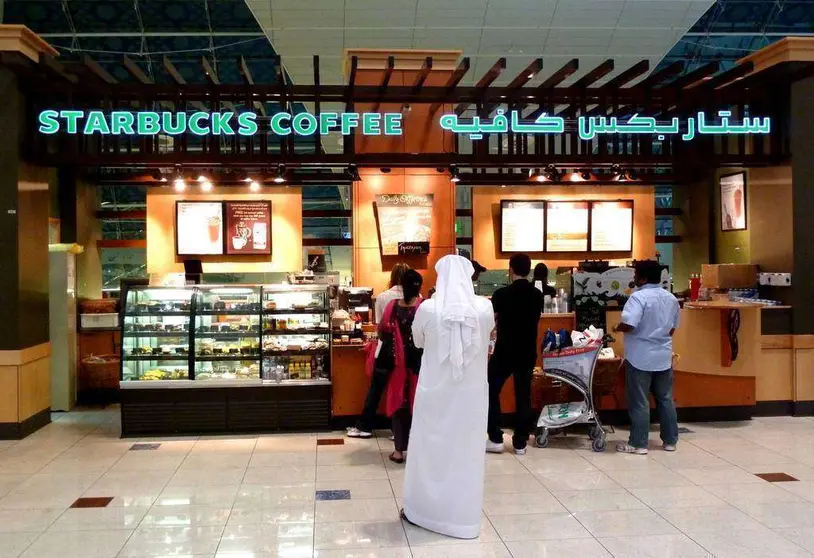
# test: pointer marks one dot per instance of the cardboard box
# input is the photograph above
(729, 276)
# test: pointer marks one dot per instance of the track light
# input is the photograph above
(158, 176)
(353, 173)
(201, 179)
(616, 170)
(385, 170)
(585, 175)
(179, 184)
(254, 186)
(453, 174)
(280, 177)
(206, 186)
(551, 173)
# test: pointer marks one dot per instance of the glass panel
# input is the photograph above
(664, 226)
(155, 340)
(119, 263)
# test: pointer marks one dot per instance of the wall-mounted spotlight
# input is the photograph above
(585, 175)
(254, 186)
(353, 173)
(454, 175)
(206, 186)
(179, 183)
(551, 173)
(279, 178)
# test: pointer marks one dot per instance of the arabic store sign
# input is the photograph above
(147, 123)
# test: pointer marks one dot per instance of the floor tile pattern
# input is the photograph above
(75, 489)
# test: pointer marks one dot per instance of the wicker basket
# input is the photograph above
(101, 371)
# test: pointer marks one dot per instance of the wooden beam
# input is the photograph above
(491, 75)
(245, 72)
(694, 76)
(96, 70)
(135, 71)
(52, 67)
(726, 77)
(527, 74)
(422, 75)
(657, 77)
(209, 71)
(638, 69)
(173, 72)
(354, 67)
(561, 75)
(388, 73)
(594, 75)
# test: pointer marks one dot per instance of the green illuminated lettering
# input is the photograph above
(392, 123)
(148, 123)
(220, 123)
(277, 126)
(247, 125)
(96, 122)
(194, 123)
(174, 128)
(48, 122)
(71, 118)
(304, 124)
(371, 123)
(349, 120)
(327, 120)
(121, 122)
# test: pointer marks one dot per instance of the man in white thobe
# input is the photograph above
(443, 483)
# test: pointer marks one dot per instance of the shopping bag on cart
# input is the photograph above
(560, 414)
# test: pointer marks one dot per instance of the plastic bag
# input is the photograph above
(561, 414)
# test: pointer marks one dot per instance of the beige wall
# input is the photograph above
(486, 221)
(88, 231)
(693, 227)
(286, 232)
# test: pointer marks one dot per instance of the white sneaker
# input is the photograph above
(493, 447)
(519, 451)
(624, 447)
(669, 447)
(354, 432)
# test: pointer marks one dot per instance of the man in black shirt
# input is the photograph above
(517, 312)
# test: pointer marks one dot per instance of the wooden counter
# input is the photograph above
(350, 383)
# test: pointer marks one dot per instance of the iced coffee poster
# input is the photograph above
(403, 218)
(248, 227)
(733, 202)
(199, 228)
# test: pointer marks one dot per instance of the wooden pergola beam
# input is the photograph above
(625, 77)
(95, 69)
(134, 70)
(209, 71)
(422, 74)
(594, 75)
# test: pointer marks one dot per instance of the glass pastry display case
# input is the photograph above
(296, 337)
(227, 333)
(156, 337)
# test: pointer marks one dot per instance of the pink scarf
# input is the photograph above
(402, 385)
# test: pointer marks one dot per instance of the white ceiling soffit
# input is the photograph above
(557, 30)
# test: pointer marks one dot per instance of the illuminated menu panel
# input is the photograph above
(567, 227)
(198, 228)
(404, 219)
(248, 227)
(612, 226)
(522, 226)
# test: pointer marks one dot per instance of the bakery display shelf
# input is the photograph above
(156, 334)
(227, 357)
(227, 312)
(157, 314)
(227, 334)
(157, 358)
(283, 383)
(296, 311)
(295, 332)
(310, 352)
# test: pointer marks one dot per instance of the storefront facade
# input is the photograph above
(408, 142)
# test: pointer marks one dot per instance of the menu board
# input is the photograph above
(567, 229)
(612, 226)
(404, 219)
(198, 228)
(248, 227)
(522, 226)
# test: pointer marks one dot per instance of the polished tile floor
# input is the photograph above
(304, 495)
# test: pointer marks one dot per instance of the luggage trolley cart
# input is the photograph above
(574, 366)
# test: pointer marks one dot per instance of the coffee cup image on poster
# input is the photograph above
(198, 228)
(403, 218)
(248, 227)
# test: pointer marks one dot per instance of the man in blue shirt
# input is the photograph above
(649, 319)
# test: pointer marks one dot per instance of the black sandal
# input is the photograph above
(404, 517)
(394, 459)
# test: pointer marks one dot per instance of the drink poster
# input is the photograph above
(567, 228)
(522, 226)
(612, 226)
(248, 227)
(733, 202)
(403, 218)
(198, 228)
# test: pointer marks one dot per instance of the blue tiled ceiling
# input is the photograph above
(732, 29)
